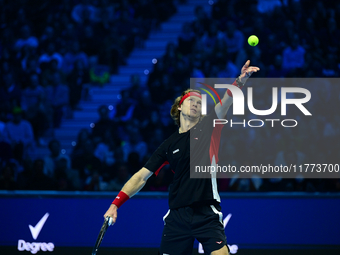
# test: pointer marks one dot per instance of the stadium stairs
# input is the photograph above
(139, 62)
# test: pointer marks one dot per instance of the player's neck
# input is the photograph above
(187, 124)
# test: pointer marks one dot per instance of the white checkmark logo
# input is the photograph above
(36, 230)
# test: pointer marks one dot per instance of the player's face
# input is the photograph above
(191, 107)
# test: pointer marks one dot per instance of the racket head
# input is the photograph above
(106, 224)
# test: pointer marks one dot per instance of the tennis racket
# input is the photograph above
(106, 224)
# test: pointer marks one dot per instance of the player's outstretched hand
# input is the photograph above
(247, 71)
(112, 212)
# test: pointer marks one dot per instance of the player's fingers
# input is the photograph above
(247, 63)
(113, 219)
(253, 69)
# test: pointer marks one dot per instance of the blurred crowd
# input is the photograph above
(53, 52)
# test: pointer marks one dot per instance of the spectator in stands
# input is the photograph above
(146, 12)
(50, 162)
(157, 73)
(72, 56)
(88, 41)
(225, 68)
(272, 49)
(7, 39)
(72, 176)
(31, 67)
(156, 139)
(104, 123)
(105, 150)
(86, 162)
(26, 39)
(51, 54)
(308, 34)
(197, 70)
(123, 175)
(201, 21)
(99, 74)
(66, 178)
(112, 53)
(331, 68)
(293, 56)
(19, 134)
(124, 109)
(94, 182)
(170, 57)
(186, 39)
(69, 34)
(7, 178)
(10, 93)
(275, 70)
(82, 138)
(77, 80)
(5, 147)
(135, 144)
(57, 94)
(211, 36)
(85, 11)
(38, 180)
(219, 8)
(136, 87)
(33, 103)
(119, 159)
(25, 54)
(47, 37)
(143, 105)
(165, 10)
(234, 39)
(289, 155)
(127, 31)
(180, 74)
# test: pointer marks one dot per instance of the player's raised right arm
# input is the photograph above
(131, 187)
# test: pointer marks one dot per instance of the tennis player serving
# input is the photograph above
(195, 211)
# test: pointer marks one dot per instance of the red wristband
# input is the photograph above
(120, 199)
(235, 84)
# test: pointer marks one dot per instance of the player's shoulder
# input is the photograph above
(164, 146)
(209, 117)
(172, 137)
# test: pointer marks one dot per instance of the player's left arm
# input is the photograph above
(246, 72)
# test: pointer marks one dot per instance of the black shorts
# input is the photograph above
(183, 225)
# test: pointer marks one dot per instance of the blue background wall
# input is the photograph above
(258, 220)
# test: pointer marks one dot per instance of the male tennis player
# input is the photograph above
(194, 203)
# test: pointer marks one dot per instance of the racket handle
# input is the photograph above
(110, 220)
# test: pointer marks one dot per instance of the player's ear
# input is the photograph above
(179, 108)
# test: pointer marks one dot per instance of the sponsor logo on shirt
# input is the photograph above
(175, 151)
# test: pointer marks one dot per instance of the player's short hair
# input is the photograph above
(174, 112)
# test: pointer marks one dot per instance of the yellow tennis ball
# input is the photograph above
(253, 40)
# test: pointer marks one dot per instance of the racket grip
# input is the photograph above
(110, 220)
